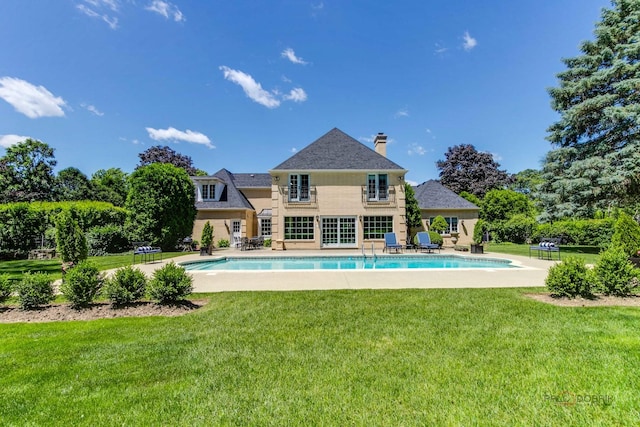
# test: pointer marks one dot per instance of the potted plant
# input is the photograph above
(478, 232)
(206, 239)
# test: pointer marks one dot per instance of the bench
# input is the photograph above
(146, 252)
(546, 246)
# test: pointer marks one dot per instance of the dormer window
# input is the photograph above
(208, 192)
(378, 187)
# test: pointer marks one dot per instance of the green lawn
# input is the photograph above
(385, 357)
(589, 253)
(54, 266)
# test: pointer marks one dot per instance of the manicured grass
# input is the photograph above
(590, 254)
(54, 267)
(385, 357)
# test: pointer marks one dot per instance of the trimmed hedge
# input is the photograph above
(593, 232)
(110, 239)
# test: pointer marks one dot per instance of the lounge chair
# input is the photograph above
(390, 242)
(424, 242)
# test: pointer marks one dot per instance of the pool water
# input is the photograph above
(345, 263)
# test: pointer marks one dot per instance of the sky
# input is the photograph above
(243, 85)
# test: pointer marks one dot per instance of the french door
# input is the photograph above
(339, 232)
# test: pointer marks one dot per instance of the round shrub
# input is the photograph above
(436, 238)
(5, 287)
(127, 285)
(170, 284)
(82, 284)
(439, 225)
(614, 273)
(34, 290)
(223, 243)
(570, 278)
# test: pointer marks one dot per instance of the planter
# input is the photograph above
(204, 251)
(635, 261)
(477, 248)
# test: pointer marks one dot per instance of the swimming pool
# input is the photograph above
(346, 263)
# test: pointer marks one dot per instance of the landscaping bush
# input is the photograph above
(5, 287)
(518, 229)
(479, 229)
(614, 274)
(592, 232)
(570, 278)
(436, 238)
(34, 290)
(82, 284)
(207, 236)
(70, 240)
(223, 243)
(127, 285)
(626, 234)
(439, 225)
(109, 239)
(267, 243)
(170, 284)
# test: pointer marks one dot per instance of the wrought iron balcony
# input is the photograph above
(379, 200)
(303, 198)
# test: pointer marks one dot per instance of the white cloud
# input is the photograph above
(291, 56)
(412, 183)
(401, 113)
(111, 4)
(166, 9)
(7, 141)
(293, 150)
(250, 87)
(173, 134)
(469, 42)
(366, 139)
(111, 21)
(296, 95)
(416, 149)
(32, 101)
(92, 109)
(440, 48)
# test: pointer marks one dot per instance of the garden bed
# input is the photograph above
(596, 301)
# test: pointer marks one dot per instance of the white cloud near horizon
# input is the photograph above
(7, 141)
(92, 109)
(291, 56)
(250, 87)
(166, 9)
(469, 42)
(111, 21)
(30, 100)
(173, 134)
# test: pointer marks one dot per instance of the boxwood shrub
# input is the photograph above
(128, 284)
(170, 283)
(614, 274)
(570, 278)
(82, 284)
(5, 287)
(34, 290)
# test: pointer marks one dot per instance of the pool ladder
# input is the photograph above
(373, 252)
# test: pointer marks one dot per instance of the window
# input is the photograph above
(375, 226)
(299, 188)
(265, 227)
(208, 191)
(452, 222)
(298, 228)
(377, 187)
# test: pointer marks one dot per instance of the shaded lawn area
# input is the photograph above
(15, 269)
(384, 357)
(590, 254)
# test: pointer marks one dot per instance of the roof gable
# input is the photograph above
(234, 198)
(336, 150)
(433, 195)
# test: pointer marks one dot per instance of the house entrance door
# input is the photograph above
(339, 232)
(235, 233)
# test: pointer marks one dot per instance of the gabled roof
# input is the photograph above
(433, 195)
(336, 150)
(234, 198)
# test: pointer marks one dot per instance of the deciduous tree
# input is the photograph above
(26, 172)
(72, 184)
(160, 154)
(110, 185)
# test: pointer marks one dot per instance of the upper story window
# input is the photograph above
(299, 188)
(378, 186)
(208, 191)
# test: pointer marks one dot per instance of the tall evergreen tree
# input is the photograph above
(597, 161)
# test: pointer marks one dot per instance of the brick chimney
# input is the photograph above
(380, 144)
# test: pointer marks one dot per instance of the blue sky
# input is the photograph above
(244, 84)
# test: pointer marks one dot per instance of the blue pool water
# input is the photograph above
(344, 263)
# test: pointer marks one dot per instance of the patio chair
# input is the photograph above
(390, 242)
(424, 242)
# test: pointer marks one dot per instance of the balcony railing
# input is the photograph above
(382, 202)
(305, 199)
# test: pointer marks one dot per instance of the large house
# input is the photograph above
(334, 193)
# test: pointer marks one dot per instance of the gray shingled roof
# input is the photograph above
(433, 195)
(336, 151)
(252, 180)
(234, 198)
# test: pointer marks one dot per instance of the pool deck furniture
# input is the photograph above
(247, 244)
(546, 248)
(146, 252)
(391, 243)
(424, 242)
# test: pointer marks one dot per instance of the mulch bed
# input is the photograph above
(64, 311)
(596, 301)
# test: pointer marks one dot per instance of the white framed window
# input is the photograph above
(208, 191)
(265, 227)
(378, 187)
(452, 222)
(374, 227)
(299, 188)
(298, 228)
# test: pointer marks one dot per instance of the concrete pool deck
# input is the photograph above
(532, 273)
